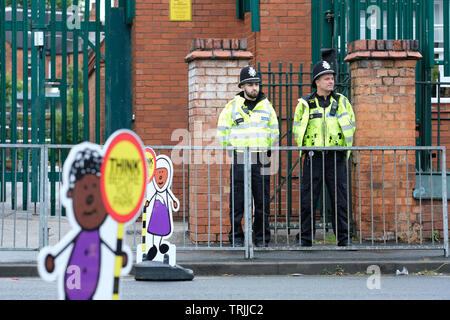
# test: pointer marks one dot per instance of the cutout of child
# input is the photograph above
(82, 259)
(162, 203)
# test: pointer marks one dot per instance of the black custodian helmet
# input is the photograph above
(248, 75)
(321, 68)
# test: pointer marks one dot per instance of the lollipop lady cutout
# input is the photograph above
(162, 204)
(82, 258)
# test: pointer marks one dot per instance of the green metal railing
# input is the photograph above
(46, 97)
(446, 17)
(252, 6)
(339, 22)
(283, 86)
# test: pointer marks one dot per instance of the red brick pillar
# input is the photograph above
(383, 99)
(214, 68)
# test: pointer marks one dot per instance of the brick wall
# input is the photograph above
(383, 98)
(214, 66)
(160, 73)
(285, 37)
(92, 99)
(383, 89)
(285, 32)
(160, 45)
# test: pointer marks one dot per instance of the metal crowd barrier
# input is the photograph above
(401, 209)
(390, 204)
(28, 192)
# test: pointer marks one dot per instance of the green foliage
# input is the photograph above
(435, 74)
(58, 114)
(70, 110)
(330, 239)
(69, 127)
(435, 236)
(9, 88)
(59, 3)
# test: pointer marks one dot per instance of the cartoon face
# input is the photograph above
(161, 175)
(88, 206)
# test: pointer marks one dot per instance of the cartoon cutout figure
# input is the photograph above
(80, 260)
(160, 204)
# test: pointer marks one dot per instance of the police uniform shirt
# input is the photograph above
(324, 102)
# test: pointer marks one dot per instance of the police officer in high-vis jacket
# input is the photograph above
(249, 120)
(324, 119)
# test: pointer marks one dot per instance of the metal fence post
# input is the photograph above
(43, 201)
(248, 204)
(444, 202)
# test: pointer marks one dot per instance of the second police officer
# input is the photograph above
(324, 119)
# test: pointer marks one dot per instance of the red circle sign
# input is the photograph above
(123, 177)
(151, 163)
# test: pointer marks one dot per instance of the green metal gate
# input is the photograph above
(58, 69)
(335, 24)
(339, 22)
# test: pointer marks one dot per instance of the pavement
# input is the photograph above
(16, 263)
(321, 259)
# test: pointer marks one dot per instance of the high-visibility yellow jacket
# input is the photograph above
(240, 127)
(315, 126)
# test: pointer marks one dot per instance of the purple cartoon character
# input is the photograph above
(81, 260)
(161, 202)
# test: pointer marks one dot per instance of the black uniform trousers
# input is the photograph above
(260, 185)
(336, 183)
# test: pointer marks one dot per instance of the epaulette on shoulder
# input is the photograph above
(310, 100)
(340, 95)
(237, 99)
(309, 96)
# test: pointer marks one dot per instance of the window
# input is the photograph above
(438, 74)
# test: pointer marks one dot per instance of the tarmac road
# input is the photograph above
(297, 287)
